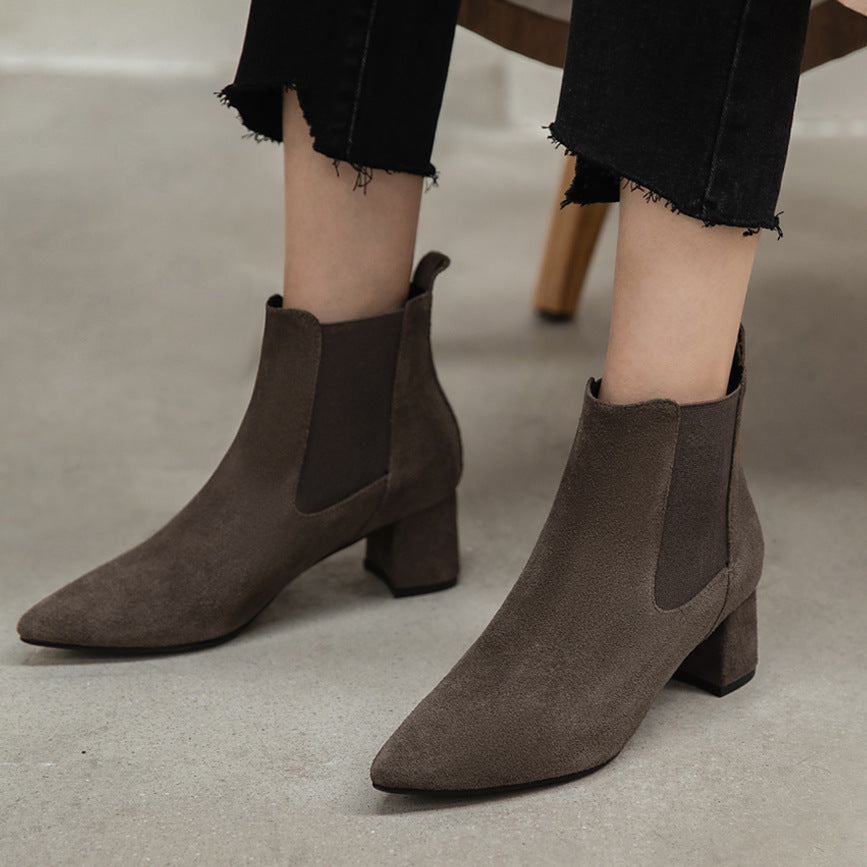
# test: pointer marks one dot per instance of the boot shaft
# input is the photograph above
(354, 401)
(682, 465)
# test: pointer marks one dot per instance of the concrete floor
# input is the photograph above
(139, 240)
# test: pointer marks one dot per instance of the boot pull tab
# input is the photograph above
(426, 271)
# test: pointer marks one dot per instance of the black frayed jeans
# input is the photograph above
(690, 100)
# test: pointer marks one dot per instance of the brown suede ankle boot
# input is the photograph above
(347, 435)
(646, 569)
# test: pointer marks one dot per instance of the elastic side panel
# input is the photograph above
(348, 441)
(695, 534)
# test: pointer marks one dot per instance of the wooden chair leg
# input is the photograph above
(572, 234)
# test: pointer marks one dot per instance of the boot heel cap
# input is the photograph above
(401, 592)
(709, 686)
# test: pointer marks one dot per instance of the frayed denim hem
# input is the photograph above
(260, 130)
(629, 182)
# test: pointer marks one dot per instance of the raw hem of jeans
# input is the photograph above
(363, 170)
(630, 182)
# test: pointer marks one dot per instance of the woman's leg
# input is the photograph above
(357, 87)
(349, 252)
(679, 290)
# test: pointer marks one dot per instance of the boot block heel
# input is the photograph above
(726, 660)
(418, 554)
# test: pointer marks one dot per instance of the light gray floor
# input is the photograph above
(140, 236)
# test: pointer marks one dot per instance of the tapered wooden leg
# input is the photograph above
(572, 235)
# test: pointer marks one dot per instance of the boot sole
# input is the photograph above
(682, 677)
(712, 688)
(402, 592)
(495, 790)
(396, 592)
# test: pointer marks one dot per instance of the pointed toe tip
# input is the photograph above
(28, 637)
(38, 626)
(403, 767)
(379, 772)
(427, 754)
(77, 615)
(390, 772)
(29, 626)
(52, 622)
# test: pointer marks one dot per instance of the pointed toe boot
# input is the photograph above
(347, 436)
(646, 569)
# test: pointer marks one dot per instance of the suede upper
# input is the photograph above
(242, 538)
(571, 662)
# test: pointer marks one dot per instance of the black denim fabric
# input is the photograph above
(693, 101)
(370, 76)
(689, 100)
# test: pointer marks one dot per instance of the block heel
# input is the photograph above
(418, 554)
(726, 660)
